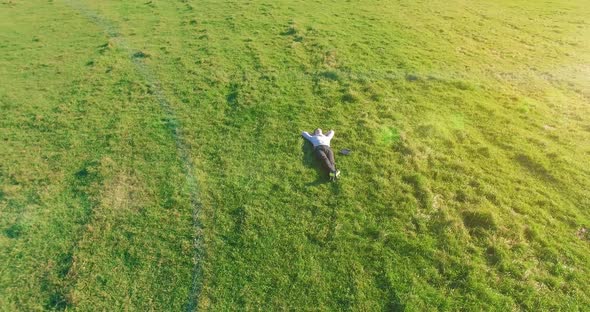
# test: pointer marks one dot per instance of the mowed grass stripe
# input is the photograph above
(132, 179)
(176, 131)
(173, 126)
(50, 136)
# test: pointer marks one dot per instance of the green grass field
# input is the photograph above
(151, 157)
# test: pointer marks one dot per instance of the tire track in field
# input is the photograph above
(173, 126)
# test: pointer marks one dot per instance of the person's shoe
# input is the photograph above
(334, 175)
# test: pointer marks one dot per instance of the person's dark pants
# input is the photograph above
(326, 156)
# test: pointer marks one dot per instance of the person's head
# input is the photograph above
(317, 131)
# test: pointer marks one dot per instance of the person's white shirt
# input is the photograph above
(319, 139)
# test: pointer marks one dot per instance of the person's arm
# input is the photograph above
(330, 134)
(306, 135)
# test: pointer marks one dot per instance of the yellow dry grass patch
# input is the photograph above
(119, 192)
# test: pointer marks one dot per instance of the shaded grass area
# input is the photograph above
(466, 187)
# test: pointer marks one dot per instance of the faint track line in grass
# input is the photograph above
(173, 126)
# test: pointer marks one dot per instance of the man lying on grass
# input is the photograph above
(322, 150)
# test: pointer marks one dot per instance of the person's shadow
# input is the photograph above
(309, 160)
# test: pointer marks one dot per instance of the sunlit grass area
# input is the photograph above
(151, 158)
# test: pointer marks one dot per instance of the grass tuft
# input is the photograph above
(476, 219)
(15, 231)
(140, 54)
(421, 190)
(350, 96)
(412, 77)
